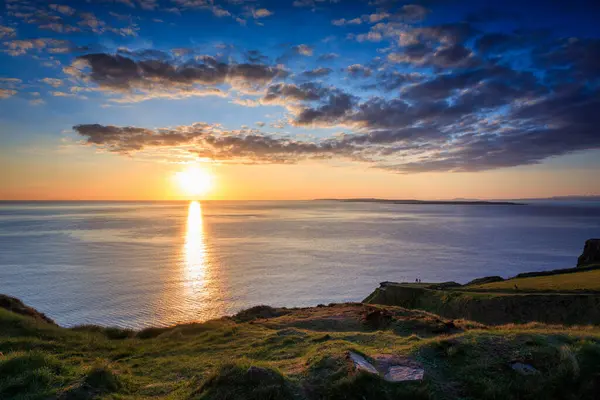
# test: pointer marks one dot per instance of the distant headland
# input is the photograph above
(439, 202)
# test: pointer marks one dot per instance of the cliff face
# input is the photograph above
(494, 308)
(591, 253)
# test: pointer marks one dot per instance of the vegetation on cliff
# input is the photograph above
(268, 353)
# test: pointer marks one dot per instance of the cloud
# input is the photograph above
(411, 13)
(260, 13)
(303, 49)
(52, 82)
(328, 57)
(143, 78)
(284, 93)
(316, 73)
(6, 31)
(300, 50)
(20, 47)
(6, 93)
(204, 140)
(63, 9)
(359, 71)
(312, 3)
(60, 28)
(343, 21)
(392, 134)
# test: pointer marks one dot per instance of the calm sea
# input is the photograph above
(147, 264)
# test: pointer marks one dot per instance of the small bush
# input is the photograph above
(257, 312)
(112, 333)
(239, 382)
(30, 375)
(151, 333)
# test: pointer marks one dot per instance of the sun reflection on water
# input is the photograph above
(195, 252)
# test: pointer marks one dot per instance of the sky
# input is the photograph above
(299, 99)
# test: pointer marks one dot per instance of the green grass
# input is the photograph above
(581, 281)
(267, 353)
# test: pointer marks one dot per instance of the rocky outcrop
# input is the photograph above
(591, 253)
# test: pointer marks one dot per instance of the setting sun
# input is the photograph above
(194, 181)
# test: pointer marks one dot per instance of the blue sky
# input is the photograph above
(425, 87)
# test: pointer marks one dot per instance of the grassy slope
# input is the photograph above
(304, 351)
(588, 280)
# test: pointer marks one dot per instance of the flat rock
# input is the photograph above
(361, 364)
(524, 369)
(403, 373)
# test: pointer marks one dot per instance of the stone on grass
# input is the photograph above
(524, 369)
(361, 364)
(395, 369)
(399, 369)
(402, 373)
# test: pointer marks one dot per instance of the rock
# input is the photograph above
(361, 364)
(591, 253)
(377, 319)
(524, 369)
(399, 369)
(401, 373)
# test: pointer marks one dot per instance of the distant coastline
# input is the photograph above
(439, 202)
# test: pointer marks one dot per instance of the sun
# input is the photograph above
(194, 181)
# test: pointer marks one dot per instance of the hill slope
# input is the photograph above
(267, 353)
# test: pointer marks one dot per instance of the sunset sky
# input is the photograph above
(277, 99)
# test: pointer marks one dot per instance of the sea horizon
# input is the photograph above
(138, 264)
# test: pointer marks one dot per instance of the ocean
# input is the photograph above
(140, 264)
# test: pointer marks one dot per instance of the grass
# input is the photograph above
(581, 281)
(267, 353)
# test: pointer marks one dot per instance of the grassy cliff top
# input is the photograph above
(580, 281)
(296, 354)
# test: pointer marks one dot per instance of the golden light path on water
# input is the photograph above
(202, 297)
(195, 251)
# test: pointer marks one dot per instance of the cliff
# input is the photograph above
(591, 253)
(493, 308)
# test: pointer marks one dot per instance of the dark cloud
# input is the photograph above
(328, 57)
(256, 57)
(284, 93)
(359, 71)
(206, 140)
(387, 81)
(316, 73)
(154, 73)
(392, 134)
(334, 107)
